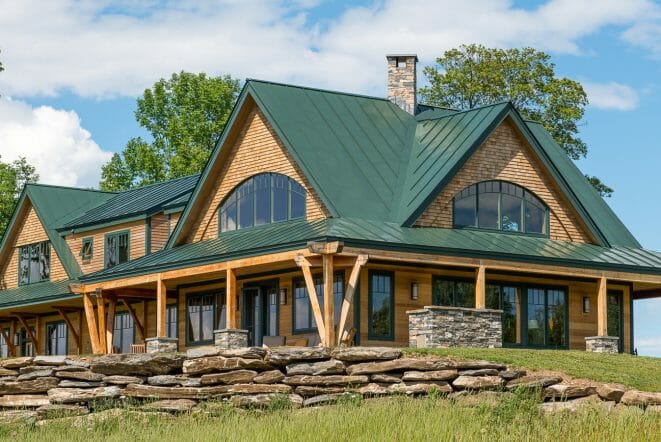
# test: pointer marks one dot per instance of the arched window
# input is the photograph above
(262, 199)
(499, 205)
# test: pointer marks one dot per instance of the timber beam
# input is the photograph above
(10, 342)
(92, 327)
(77, 334)
(23, 319)
(136, 320)
(304, 264)
(359, 262)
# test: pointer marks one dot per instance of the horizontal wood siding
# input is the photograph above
(257, 149)
(506, 156)
(30, 231)
(136, 247)
(160, 231)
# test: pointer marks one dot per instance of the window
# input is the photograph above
(499, 205)
(25, 346)
(381, 305)
(546, 317)
(272, 322)
(171, 321)
(124, 335)
(453, 292)
(56, 338)
(4, 347)
(262, 199)
(34, 263)
(506, 298)
(204, 314)
(303, 316)
(87, 250)
(117, 248)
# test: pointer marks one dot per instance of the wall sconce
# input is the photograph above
(283, 296)
(586, 304)
(414, 291)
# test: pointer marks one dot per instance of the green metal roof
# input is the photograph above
(385, 235)
(39, 293)
(55, 205)
(130, 204)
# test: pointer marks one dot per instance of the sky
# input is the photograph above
(72, 76)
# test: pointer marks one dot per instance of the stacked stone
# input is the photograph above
(437, 327)
(40, 387)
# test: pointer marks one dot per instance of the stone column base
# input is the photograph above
(161, 345)
(602, 344)
(437, 327)
(230, 338)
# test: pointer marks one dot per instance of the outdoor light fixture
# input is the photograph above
(283, 296)
(586, 304)
(414, 291)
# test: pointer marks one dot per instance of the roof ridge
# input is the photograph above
(459, 112)
(158, 183)
(57, 186)
(331, 91)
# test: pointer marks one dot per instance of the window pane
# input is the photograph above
(443, 292)
(221, 311)
(614, 314)
(193, 312)
(510, 320)
(465, 211)
(262, 199)
(207, 317)
(301, 307)
(536, 317)
(338, 296)
(24, 267)
(556, 317)
(123, 248)
(488, 210)
(493, 297)
(35, 268)
(171, 315)
(111, 251)
(273, 313)
(511, 213)
(535, 218)
(297, 200)
(245, 199)
(465, 294)
(280, 192)
(381, 314)
(228, 214)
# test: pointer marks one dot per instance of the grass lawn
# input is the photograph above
(514, 417)
(640, 372)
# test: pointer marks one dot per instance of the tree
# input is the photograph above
(13, 177)
(184, 116)
(474, 75)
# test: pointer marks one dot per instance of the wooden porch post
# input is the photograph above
(329, 302)
(12, 333)
(161, 301)
(110, 324)
(101, 313)
(361, 260)
(480, 288)
(91, 323)
(602, 307)
(230, 299)
(304, 264)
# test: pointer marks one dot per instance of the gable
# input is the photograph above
(28, 229)
(506, 156)
(256, 149)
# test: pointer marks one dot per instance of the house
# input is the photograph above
(325, 217)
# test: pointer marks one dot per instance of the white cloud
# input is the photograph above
(97, 49)
(53, 141)
(649, 346)
(611, 96)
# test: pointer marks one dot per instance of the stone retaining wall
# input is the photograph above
(39, 387)
(436, 327)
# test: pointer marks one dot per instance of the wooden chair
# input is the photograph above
(348, 337)
(138, 348)
(273, 341)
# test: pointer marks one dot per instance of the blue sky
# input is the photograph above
(69, 89)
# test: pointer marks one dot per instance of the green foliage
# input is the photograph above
(184, 116)
(13, 177)
(473, 75)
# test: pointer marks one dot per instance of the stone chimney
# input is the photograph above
(402, 85)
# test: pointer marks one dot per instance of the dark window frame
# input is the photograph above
(312, 322)
(522, 221)
(105, 247)
(370, 334)
(455, 280)
(168, 308)
(87, 257)
(29, 249)
(121, 330)
(232, 198)
(48, 327)
(216, 294)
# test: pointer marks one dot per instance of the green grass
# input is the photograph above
(640, 372)
(399, 418)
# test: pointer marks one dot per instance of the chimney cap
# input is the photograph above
(402, 55)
